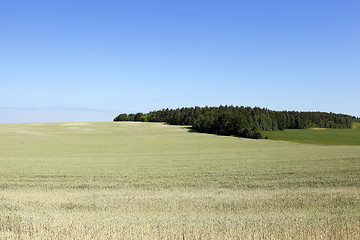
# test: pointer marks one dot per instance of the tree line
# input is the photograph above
(241, 121)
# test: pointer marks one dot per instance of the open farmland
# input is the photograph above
(153, 181)
(318, 135)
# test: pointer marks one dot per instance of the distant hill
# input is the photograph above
(241, 121)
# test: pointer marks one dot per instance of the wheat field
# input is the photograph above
(127, 180)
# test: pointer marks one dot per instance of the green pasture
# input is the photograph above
(318, 135)
(134, 180)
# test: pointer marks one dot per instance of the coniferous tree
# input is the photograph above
(241, 121)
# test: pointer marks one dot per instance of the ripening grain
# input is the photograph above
(154, 181)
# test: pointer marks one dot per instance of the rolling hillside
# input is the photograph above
(117, 180)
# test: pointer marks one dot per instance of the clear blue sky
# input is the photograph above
(90, 60)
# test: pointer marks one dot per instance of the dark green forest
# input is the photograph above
(241, 121)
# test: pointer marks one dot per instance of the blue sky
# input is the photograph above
(90, 60)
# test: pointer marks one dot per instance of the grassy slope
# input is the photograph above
(318, 136)
(111, 180)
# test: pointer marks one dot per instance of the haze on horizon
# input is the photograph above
(90, 60)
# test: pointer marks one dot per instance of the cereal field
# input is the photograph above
(106, 180)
